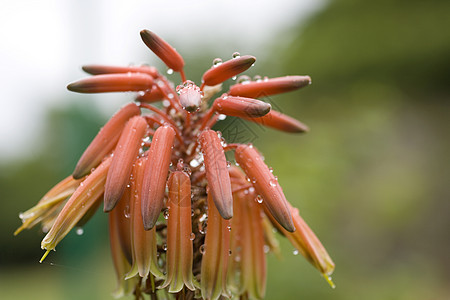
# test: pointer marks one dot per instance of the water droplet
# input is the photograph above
(237, 258)
(257, 78)
(79, 231)
(244, 79)
(295, 252)
(192, 210)
(266, 249)
(271, 170)
(192, 236)
(259, 199)
(234, 77)
(164, 247)
(236, 55)
(166, 103)
(202, 249)
(229, 252)
(170, 96)
(229, 228)
(166, 213)
(194, 163)
(228, 164)
(126, 212)
(217, 61)
(251, 189)
(169, 71)
(222, 117)
(273, 182)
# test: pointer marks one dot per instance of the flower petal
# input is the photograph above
(217, 172)
(47, 204)
(143, 242)
(179, 230)
(119, 230)
(105, 141)
(263, 88)
(89, 191)
(102, 69)
(241, 107)
(265, 184)
(163, 50)
(156, 171)
(126, 151)
(215, 258)
(129, 82)
(307, 243)
(277, 120)
(219, 73)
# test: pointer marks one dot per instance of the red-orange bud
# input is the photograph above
(280, 121)
(163, 50)
(105, 141)
(273, 86)
(102, 69)
(217, 172)
(221, 72)
(156, 171)
(129, 82)
(126, 151)
(265, 184)
(241, 107)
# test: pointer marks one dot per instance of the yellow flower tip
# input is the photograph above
(19, 230)
(45, 255)
(328, 279)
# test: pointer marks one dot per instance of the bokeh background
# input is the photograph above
(371, 178)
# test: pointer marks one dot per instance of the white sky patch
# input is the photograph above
(43, 43)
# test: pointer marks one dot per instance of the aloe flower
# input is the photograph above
(183, 221)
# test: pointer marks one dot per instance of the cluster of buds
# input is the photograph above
(182, 219)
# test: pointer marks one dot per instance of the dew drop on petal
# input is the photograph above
(164, 247)
(228, 164)
(202, 249)
(236, 55)
(222, 117)
(273, 182)
(295, 252)
(229, 228)
(217, 61)
(126, 212)
(169, 71)
(166, 213)
(259, 199)
(79, 231)
(230, 252)
(266, 249)
(192, 236)
(234, 77)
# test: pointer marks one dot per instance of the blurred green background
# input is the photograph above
(371, 178)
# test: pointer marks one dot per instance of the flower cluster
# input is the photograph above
(181, 218)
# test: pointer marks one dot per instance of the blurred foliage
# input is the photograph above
(371, 178)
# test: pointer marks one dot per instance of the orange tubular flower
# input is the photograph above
(277, 120)
(101, 69)
(241, 107)
(122, 162)
(156, 170)
(217, 173)
(174, 202)
(223, 71)
(273, 86)
(48, 204)
(143, 243)
(82, 199)
(179, 232)
(215, 256)
(105, 141)
(265, 184)
(247, 272)
(129, 82)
